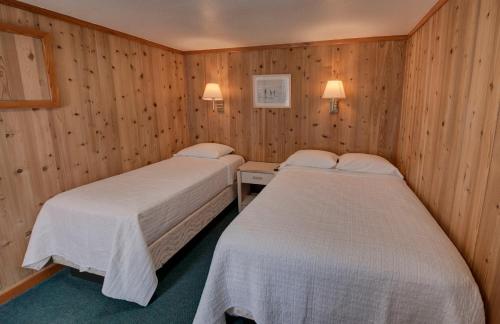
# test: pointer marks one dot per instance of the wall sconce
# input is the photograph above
(212, 92)
(334, 91)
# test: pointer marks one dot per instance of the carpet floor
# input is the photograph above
(65, 298)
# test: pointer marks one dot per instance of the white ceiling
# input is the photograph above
(206, 24)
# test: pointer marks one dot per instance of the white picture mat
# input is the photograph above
(271, 91)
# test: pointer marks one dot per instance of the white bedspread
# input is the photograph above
(107, 225)
(338, 247)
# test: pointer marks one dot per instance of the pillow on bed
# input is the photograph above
(206, 150)
(368, 163)
(312, 159)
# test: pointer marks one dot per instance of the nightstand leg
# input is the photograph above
(240, 199)
(243, 191)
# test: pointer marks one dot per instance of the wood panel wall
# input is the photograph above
(123, 106)
(368, 121)
(449, 144)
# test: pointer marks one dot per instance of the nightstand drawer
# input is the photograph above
(256, 178)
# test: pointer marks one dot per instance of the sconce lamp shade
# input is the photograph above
(334, 90)
(212, 92)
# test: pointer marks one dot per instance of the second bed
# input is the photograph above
(127, 226)
(326, 246)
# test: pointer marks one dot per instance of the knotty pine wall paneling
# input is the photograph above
(368, 120)
(449, 143)
(123, 106)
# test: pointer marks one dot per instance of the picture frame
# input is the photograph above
(27, 74)
(272, 91)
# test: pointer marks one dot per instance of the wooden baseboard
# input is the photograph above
(28, 282)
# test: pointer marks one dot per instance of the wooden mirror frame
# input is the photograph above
(46, 39)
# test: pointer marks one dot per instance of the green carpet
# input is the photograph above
(68, 299)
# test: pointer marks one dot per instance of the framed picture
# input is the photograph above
(271, 91)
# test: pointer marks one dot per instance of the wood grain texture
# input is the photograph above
(368, 121)
(27, 74)
(122, 107)
(449, 147)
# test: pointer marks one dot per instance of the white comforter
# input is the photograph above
(107, 225)
(338, 247)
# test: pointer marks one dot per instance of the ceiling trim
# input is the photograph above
(303, 44)
(428, 16)
(83, 23)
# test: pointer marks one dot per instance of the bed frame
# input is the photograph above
(172, 241)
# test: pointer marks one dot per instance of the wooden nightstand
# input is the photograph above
(253, 173)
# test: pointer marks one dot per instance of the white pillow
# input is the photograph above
(368, 163)
(206, 150)
(312, 158)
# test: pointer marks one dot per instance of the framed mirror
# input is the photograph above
(27, 76)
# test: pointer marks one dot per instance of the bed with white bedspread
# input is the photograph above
(327, 246)
(107, 226)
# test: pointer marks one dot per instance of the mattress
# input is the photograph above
(107, 225)
(337, 247)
